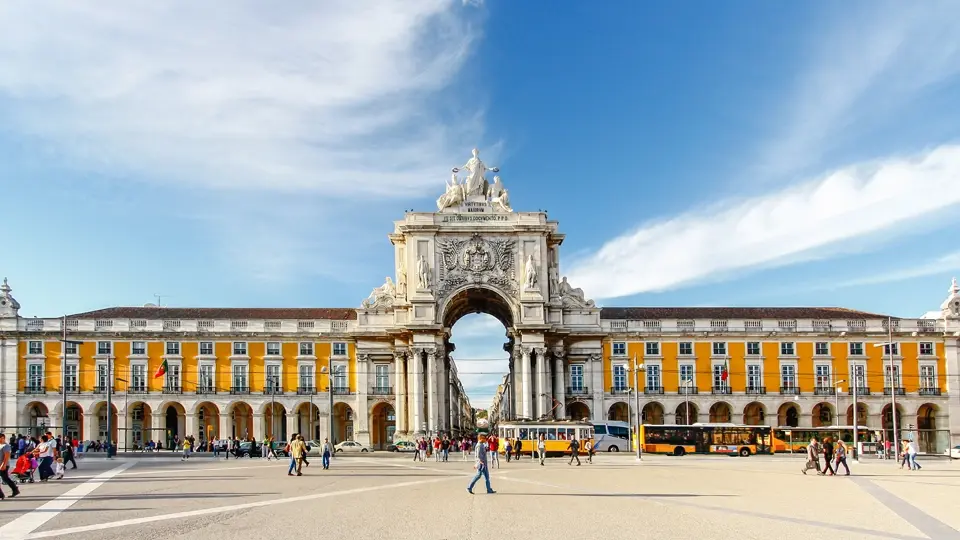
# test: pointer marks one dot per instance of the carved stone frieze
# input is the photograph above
(478, 260)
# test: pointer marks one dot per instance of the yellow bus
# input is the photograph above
(796, 439)
(557, 435)
(728, 439)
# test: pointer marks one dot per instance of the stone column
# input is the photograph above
(293, 426)
(596, 387)
(560, 384)
(90, 427)
(543, 390)
(400, 393)
(416, 367)
(952, 357)
(512, 404)
(224, 424)
(362, 406)
(432, 410)
(526, 406)
(123, 441)
(259, 426)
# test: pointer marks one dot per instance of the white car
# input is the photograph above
(954, 452)
(351, 446)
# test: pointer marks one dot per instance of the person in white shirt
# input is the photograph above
(45, 457)
(912, 450)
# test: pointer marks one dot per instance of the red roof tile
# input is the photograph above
(336, 314)
(640, 313)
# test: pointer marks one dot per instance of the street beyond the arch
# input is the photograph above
(390, 496)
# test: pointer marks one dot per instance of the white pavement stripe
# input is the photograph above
(231, 508)
(171, 471)
(24, 525)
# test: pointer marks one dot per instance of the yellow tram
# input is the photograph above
(557, 435)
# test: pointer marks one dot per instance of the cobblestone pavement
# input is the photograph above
(375, 497)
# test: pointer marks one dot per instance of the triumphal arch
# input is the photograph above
(476, 254)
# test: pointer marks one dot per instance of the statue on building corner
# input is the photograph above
(454, 196)
(554, 277)
(382, 296)
(572, 296)
(475, 183)
(423, 273)
(530, 276)
(401, 282)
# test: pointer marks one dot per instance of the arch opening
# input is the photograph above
(754, 414)
(822, 415)
(686, 413)
(383, 425)
(477, 299)
(578, 411)
(478, 345)
(720, 413)
(652, 413)
(139, 419)
(343, 417)
(619, 412)
(788, 415)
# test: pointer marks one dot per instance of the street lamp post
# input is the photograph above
(328, 369)
(856, 431)
(636, 390)
(126, 386)
(836, 395)
(686, 399)
(63, 375)
(109, 382)
(893, 378)
(273, 405)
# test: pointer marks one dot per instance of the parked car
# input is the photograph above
(954, 452)
(351, 446)
(248, 449)
(402, 446)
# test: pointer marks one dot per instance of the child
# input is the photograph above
(34, 465)
(58, 468)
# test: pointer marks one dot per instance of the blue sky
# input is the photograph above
(743, 153)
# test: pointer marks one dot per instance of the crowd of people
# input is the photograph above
(30, 458)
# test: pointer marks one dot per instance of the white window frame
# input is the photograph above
(791, 345)
(850, 351)
(754, 385)
(861, 366)
(693, 375)
(43, 381)
(341, 376)
(379, 377)
(273, 365)
(213, 348)
(333, 349)
(680, 349)
(312, 349)
(933, 349)
(618, 348)
(233, 374)
(653, 376)
(793, 367)
(132, 384)
(210, 384)
(30, 345)
(759, 345)
(716, 372)
(279, 348)
(818, 353)
(167, 349)
(897, 369)
(101, 365)
(71, 349)
(817, 382)
(312, 375)
(109, 348)
(652, 348)
(936, 380)
(577, 366)
(619, 377)
(713, 349)
(245, 349)
(173, 366)
(73, 366)
(133, 348)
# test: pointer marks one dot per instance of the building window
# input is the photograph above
(139, 348)
(926, 348)
(340, 378)
(719, 348)
(720, 376)
(787, 349)
(576, 377)
(383, 376)
(653, 377)
(206, 347)
(71, 348)
(856, 348)
(306, 348)
(653, 348)
(887, 346)
(138, 377)
(896, 377)
(172, 379)
(71, 376)
(306, 377)
(273, 378)
(754, 376)
(686, 374)
(339, 348)
(206, 382)
(686, 348)
(619, 348)
(104, 347)
(101, 377)
(858, 376)
(173, 348)
(753, 348)
(35, 376)
(823, 379)
(273, 348)
(788, 377)
(821, 348)
(928, 377)
(619, 377)
(239, 348)
(240, 376)
(35, 347)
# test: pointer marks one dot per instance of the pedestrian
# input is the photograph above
(299, 449)
(216, 448)
(481, 466)
(841, 457)
(44, 453)
(493, 444)
(5, 468)
(68, 456)
(828, 456)
(293, 459)
(186, 449)
(574, 451)
(912, 450)
(508, 449)
(591, 448)
(813, 457)
(326, 450)
(265, 448)
(541, 448)
(517, 448)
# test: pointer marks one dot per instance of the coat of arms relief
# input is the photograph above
(477, 260)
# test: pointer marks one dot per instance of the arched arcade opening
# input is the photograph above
(383, 424)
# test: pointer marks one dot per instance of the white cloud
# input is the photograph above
(786, 226)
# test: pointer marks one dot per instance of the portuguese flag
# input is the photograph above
(161, 371)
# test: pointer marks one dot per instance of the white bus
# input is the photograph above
(612, 436)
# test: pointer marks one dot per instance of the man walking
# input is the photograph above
(813, 457)
(481, 466)
(326, 451)
(574, 451)
(493, 444)
(541, 448)
(5, 466)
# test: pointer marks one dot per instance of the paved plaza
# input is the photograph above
(389, 496)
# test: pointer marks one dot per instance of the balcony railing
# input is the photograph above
(653, 390)
(272, 391)
(824, 391)
(239, 390)
(341, 391)
(720, 390)
(789, 391)
(862, 391)
(756, 390)
(206, 390)
(69, 390)
(620, 390)
(103, 390)
(381, 391)
(35, 390)
(688, 390)
(137, 390)
(172, 389)
(577, 390)
(901, 391)
(929, 391)
(306, 390)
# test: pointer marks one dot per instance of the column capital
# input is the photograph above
(595, 357)
(526, 351)
(540, 351)
(558, 353)
(363, 357)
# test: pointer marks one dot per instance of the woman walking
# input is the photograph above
(841, 456)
